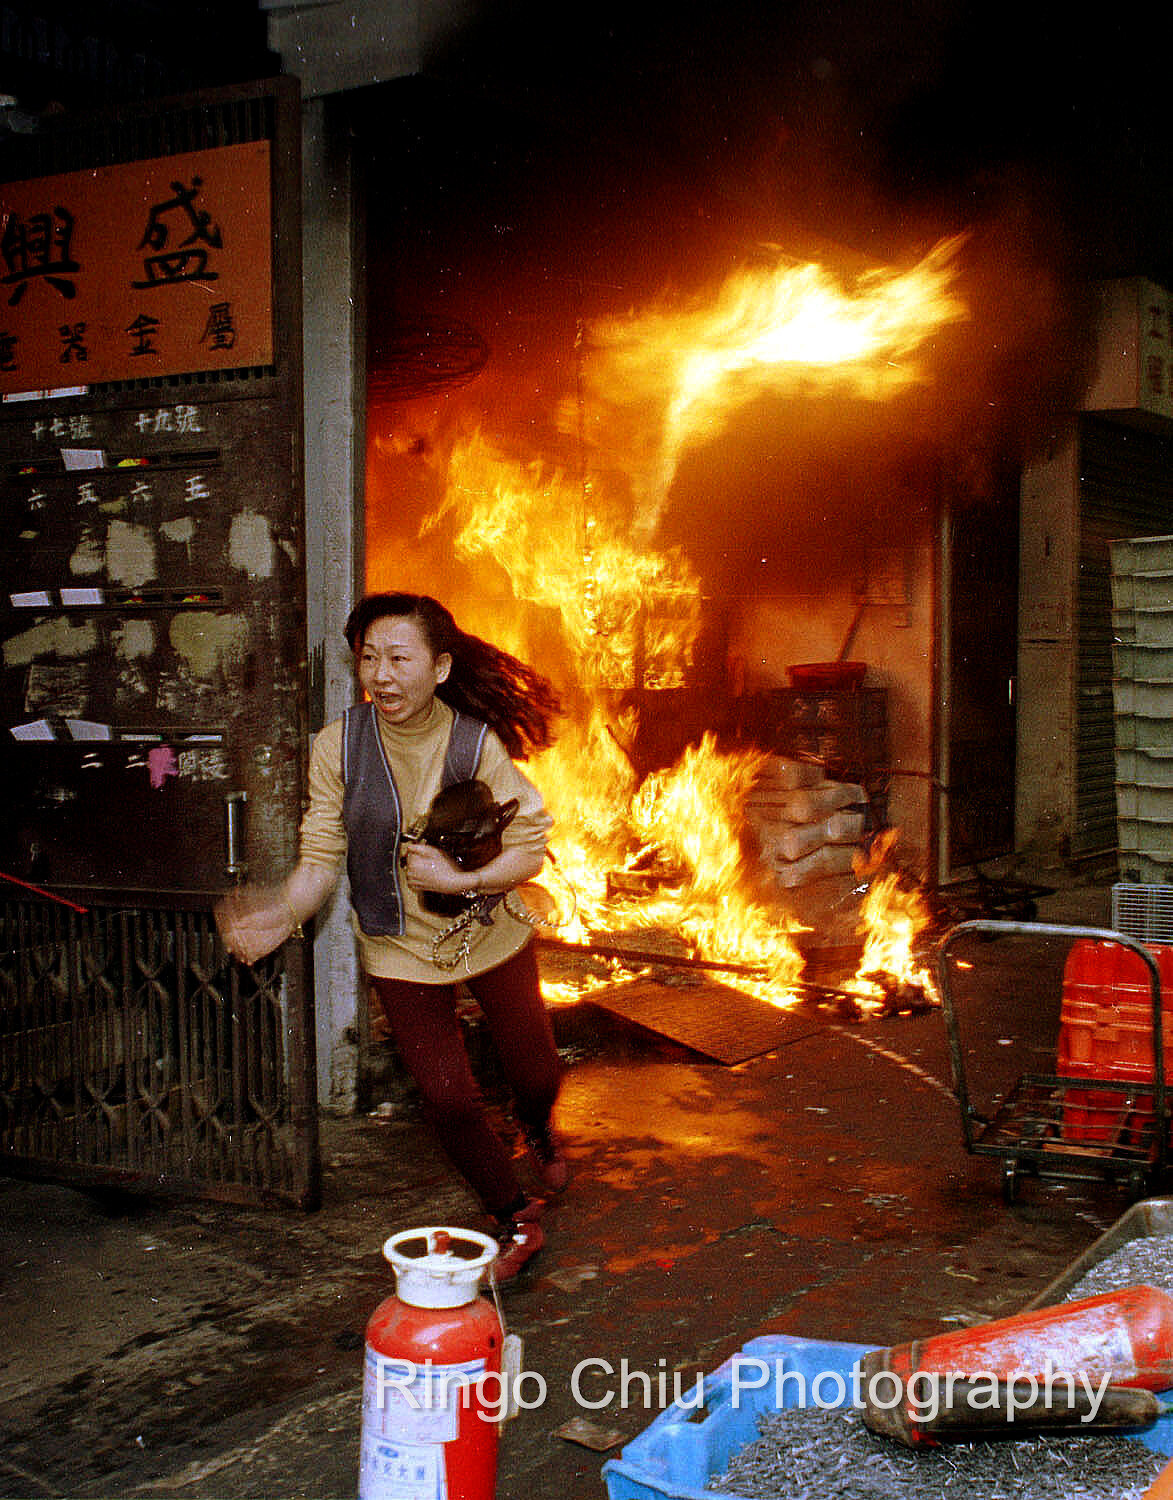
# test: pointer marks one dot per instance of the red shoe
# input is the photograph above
(519, 1242)
(546, 1153)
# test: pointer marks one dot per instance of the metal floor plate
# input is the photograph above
(721, 1023)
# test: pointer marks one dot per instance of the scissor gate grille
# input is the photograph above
(134, 1052)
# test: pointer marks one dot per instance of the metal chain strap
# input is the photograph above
(479, 911)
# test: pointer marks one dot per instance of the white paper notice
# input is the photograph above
(63, 390)
(39, 729)
(84, 458)
(84, 729)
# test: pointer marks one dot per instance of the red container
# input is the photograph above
(432, 1373)
(828, 676)
(1106, 1031)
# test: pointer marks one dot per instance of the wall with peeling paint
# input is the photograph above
(152, 655)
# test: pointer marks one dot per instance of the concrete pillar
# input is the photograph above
(335, 405)
(1048, 646)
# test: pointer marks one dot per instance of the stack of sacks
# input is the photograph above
(806, 827)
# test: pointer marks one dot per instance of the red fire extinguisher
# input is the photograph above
(433, 1388)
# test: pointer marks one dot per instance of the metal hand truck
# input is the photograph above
(1040, 1126)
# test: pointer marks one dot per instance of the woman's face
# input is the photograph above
(397, 670)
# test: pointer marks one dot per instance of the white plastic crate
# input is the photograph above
(1135, 663)
(1135, 732)
(1146, 804)
(1151, 700)
(1143, 912)
(1144, 767)
(1151, 839)
(1154, 627)
(1142, 590)
(1143, 627)
(1138, 554)
(1145, 869)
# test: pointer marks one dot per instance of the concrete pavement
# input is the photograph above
(200, 1350)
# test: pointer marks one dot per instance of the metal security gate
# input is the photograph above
(153, 676)
(133, 1052)
(1126, 489)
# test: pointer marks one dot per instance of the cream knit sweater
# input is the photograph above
(416, 756)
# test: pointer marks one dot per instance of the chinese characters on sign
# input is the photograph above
(156, 267)
(1134, 354)
(184, 259)
(39, 245)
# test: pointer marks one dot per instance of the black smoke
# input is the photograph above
(557, 164)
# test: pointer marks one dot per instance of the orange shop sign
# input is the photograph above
(157, 267)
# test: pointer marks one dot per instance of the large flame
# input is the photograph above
(665, 850)
(789, 328)
(664, 854)
(892, 916)
(625, 614)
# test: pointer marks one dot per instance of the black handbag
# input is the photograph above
(466, 824)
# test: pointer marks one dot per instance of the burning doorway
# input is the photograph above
(667, 510)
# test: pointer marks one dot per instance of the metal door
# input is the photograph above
(153, 679)
(983, 626)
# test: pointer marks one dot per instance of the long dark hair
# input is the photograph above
(517, 703)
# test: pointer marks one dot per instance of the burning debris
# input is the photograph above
(894, 914)
(661, 890)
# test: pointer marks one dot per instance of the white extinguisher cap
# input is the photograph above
(439, 1267)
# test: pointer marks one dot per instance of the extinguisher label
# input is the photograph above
(401, 1471)
(416, 1403)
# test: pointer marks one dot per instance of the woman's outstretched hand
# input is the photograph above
(253, 921)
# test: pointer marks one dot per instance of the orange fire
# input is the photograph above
(671, 378)
(572, 546)
(621, 611)
(628, 618)
(663, 855)
(891, 918)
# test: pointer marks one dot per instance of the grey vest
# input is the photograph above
(374, 817)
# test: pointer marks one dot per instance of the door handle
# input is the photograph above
(235, 864)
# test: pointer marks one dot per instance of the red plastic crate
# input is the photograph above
(1106, 1031)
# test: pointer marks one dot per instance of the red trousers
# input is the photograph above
(424, 1026)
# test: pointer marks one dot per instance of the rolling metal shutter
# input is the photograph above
(1126, 489)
